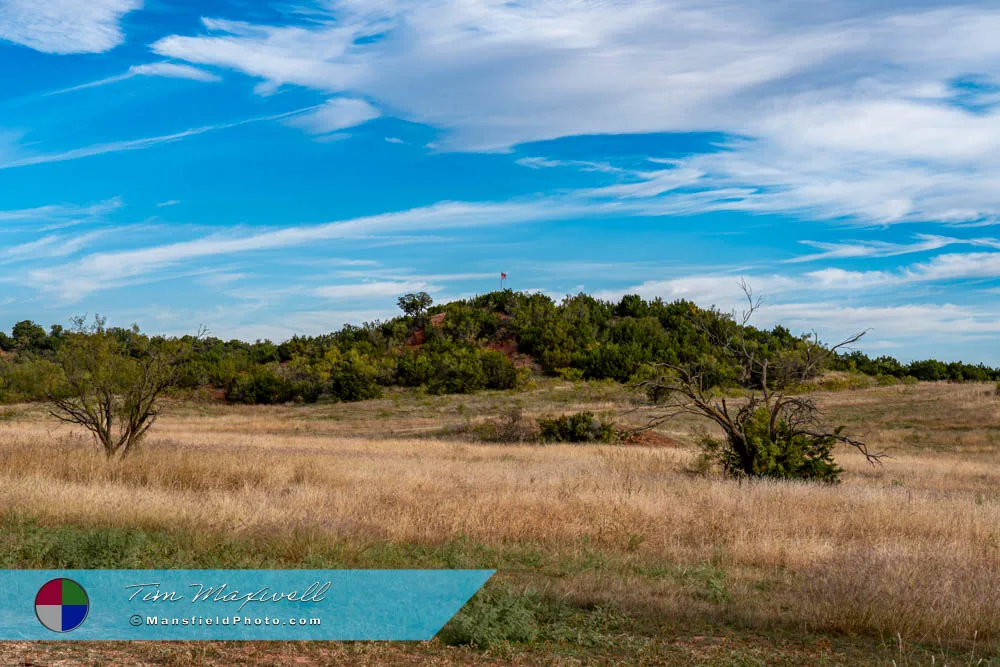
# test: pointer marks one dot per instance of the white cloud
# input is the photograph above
(279, 55)
(106, 270)
(336, 114)
(173, 71)
(55, 216)
(51, 246)
(20, 160)
(720, 290)
(101, 149)
(957, 266)
(296, 323)
(924, 243)
(906, 322)
(582, 165)
(163, 69)
(372, 290)
(845, 109)
(827, 302)
(65, 26)
(723, 289)
(62, 211)
(249, 322)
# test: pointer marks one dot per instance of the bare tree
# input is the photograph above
(112, 381)
(771, 430)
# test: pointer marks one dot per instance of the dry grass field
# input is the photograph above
(615, 553)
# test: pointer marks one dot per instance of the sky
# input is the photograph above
(265, 169)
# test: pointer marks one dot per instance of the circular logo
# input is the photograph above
(62, 605)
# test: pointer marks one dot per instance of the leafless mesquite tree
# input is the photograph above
(111, 382)
(769, 418)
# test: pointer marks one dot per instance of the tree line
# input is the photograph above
(493, 341)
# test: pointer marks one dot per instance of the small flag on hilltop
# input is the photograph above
(503, 277)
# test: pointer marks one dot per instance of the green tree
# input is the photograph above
(28, 336)
(415, 305)
(110, 390)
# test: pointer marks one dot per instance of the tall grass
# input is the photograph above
(912, 550)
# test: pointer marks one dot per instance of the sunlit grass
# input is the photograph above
(912, 549)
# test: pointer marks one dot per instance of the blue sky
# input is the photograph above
(265, 169)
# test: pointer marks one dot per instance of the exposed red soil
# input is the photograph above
(509, 348)
(415, 340)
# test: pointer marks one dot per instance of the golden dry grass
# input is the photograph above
(912, 549)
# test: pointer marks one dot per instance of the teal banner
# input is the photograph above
(186, 605)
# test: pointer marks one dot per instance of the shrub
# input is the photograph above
(886, 380)
(27, 380)
(500, 373)
(844, 382)
(457, 371)
(492, 618)
(930, 370)
(578, 427)
(354, 378)
(260, 385)
(509, 428)
(570, 374)
(784, 452)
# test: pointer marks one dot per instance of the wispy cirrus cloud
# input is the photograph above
(49, 247)
(53, 216)
(582, 165)
(15, 161)
(862, 249)
(103, 148)
(162, 69)
(107, 270)
(173, 71)
(65, 26)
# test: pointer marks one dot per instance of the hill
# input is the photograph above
(493, 341)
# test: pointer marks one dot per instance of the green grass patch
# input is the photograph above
(516, 614)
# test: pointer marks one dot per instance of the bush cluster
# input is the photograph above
(510, 427)
(781, 452)
(578, 427)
